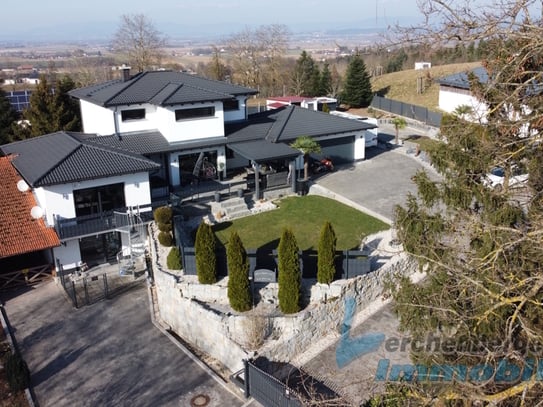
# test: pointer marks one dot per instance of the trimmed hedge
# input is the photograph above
(173, 261)
(326, 266)
(164, 214)
(165, 239)
(289, 273)
(206, 258)
(239, 288)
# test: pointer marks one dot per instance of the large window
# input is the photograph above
(100, 199)
(132, 114)
(231, 105)
(183, 114)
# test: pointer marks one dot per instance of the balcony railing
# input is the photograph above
(103, 222)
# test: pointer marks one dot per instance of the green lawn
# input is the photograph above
(305, 215)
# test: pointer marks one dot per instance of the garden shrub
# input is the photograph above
(289, 273)
(164, 227)
(239, 288)
(206, 258)
(164, 214)
(17, 372)
(173, 261)
(165, 239)
(326, 266)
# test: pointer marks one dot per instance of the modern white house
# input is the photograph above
(455, 91)
(148, 135)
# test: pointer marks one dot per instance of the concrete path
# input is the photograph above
(108, 354)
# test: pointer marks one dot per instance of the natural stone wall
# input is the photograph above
(301, 330)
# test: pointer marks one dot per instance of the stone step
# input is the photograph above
(232, 202)
(239, 214)
(235, 208)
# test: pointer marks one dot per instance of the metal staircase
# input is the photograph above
(132, 259)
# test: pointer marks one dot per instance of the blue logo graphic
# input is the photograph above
(349, 348)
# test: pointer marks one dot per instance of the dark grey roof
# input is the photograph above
(64, 157)
(164, 88)
(149, 142)
(262, 150)
(461, 80)
(290, 122)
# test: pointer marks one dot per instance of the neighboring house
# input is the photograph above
(27, 241)
(422, 65)
(152, 134)
(19, 99)
(306, 102)
(78, 186)
(454, 91)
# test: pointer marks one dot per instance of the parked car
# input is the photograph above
(496, 177)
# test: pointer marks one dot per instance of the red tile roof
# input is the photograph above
(19, 232)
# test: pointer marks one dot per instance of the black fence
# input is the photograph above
(87, 289)
(279, 384)
(349, 263)
(414, 112)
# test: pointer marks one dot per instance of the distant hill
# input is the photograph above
(402, 85)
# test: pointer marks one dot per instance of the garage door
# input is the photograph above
(340, 150)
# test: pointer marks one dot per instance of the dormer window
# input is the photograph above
(229, 105)
(194, 113)
(132, 114)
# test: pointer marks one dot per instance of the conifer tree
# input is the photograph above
(325, 86)
(206, 257)
(239, 288)
(357, 88)
(8, 118)
(326, 267)
(289, 273)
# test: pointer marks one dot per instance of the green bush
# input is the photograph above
(164, 227)
(326, 266)
(173, 261)
(165, 239)
(289, 273)
(239, 288)
(206, 258)
(164, 214)
(17, 372)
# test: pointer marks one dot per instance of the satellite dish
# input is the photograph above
(36, 212)
(22, 185)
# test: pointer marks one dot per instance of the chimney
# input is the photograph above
(125, 72)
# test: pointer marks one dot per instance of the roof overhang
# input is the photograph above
(261, 150)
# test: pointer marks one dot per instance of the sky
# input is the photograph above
(80, 19)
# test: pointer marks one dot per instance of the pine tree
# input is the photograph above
(304, 75)
(8, 118)
(357, 89)
(239, 288)
(325, 86)
(326, 267)
(52, 110)
(289, 273)
(206, 257)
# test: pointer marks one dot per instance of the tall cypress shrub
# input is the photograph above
(289, 273)
(326, 267)
(206, 258)
(239, 288)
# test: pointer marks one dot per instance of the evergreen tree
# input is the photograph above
(8, 118)
(480, 248)
(289, 273)
(326, 266)
(357, 90)
(303, 78)
(52, 110)
(315, 83)
(206, 257)
(325, 86)
(239, 288)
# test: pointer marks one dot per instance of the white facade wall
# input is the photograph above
(148, 123)
(451, 98)
(68, 254)
(96, 119)
(237, 115)
(59, 199)
(359, 147)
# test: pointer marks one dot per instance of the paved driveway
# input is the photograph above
(378, 183)
(108, 354)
